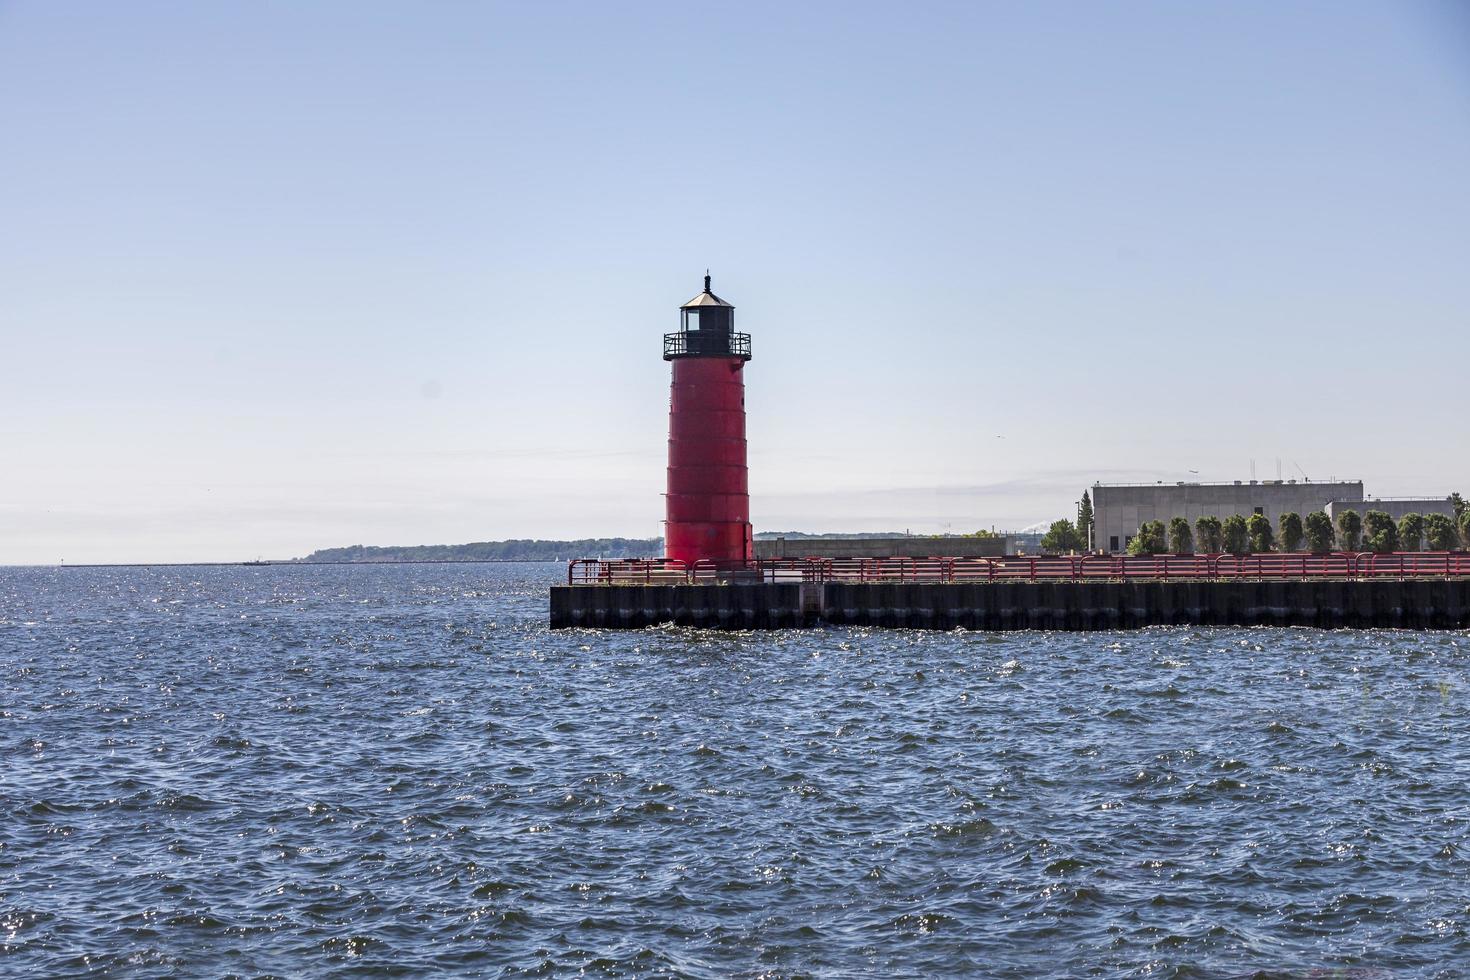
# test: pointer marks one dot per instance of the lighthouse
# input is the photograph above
(707, 505)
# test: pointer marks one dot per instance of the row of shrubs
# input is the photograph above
(1238, 535)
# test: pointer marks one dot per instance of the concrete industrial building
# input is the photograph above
(1120, 509)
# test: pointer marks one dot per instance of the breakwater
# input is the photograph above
(1327, 603)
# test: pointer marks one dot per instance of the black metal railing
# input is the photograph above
(706, 343)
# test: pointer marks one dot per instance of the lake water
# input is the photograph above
(292, 770)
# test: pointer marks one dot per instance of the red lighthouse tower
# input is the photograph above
(708, 499)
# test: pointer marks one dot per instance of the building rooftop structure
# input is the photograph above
(1230, 483)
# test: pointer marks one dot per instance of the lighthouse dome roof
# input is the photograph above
(705, 298)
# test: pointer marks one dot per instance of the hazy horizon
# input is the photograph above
(280, 278)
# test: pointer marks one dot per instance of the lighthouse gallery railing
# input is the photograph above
(706, 343)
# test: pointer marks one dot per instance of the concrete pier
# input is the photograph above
(1329, 603)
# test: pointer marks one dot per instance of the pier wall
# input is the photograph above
(762, 606)
(1329, 603)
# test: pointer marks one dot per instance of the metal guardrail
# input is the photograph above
(1296, 565)
(706, 343)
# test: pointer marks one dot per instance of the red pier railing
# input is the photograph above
(1020, 568)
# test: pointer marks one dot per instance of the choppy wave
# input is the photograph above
(276, 770)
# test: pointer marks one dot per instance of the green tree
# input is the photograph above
(1149, 540)
(1258, 529)
(1084, 520)
(1207, 533)
(1349, 530)
(1181, 541)
(1458, 502)
(1465, 528)
(1411, 532)
(1379, 532)
(1061, 537)
(1234, 535)
(1318, 531)
(1439, 533)
(1291, 531)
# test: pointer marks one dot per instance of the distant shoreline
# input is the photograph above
(540, 551)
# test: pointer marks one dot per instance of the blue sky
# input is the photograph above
(282, 276)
